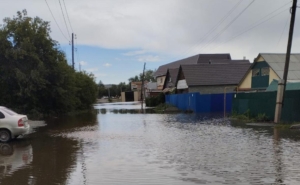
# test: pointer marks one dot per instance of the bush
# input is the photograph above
(155, 101)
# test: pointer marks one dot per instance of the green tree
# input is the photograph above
(148, 76)
(35, 76)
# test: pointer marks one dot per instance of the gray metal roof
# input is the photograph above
(277, 61)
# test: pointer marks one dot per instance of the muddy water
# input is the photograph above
(118, 144)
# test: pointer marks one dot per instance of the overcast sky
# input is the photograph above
(115, 37)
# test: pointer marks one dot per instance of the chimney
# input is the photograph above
(244, 58)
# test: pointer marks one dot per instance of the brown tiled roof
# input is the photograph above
(200, 58)
(215, 74)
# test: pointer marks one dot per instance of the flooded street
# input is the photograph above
(117, 144)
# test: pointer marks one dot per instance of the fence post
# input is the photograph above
(225, 102)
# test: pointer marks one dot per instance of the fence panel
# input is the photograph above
(201, 103)
(265, 102)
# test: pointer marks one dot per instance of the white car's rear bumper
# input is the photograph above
(20, 130)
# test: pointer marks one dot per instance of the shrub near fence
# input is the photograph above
(156, 100)
(200, 103)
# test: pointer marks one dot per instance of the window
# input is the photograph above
(170, 79)
(265, 71)
(255, 72)
(161, 80)
(1, 115)
(8, 111)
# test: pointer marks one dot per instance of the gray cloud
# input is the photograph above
(173, 27)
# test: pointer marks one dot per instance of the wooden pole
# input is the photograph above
(142, 88)
(280, 100)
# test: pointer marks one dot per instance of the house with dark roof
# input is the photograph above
(171, 79)
(211, 78)
(268, 67)
(161, 72)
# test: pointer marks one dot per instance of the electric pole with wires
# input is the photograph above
(282, 83)
(73, 64)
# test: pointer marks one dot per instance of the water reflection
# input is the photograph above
(14, 157)
(116, 145)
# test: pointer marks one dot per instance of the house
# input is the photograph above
(267, 67)
(160, 73)
(151, 89)
(170, 81)
(211, 78)
(136, 86)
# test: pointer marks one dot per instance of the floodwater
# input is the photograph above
(118, 144)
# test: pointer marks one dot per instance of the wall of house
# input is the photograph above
(246, 84)
(123, 96)
(216, 89)
(137, 95)
(260, 81)
(160, 82)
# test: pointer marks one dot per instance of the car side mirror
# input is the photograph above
(1, 115)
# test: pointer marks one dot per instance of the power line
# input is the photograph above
(250, 28)
(230, 23)
(282, 31)
(68, 16)
(258, 23)
(64, 18)
(217, 25)
(56, 21)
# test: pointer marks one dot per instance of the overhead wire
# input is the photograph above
(258, 23)
(68, 16)
(230, 23)
(56, 21)
(64, 19)
(283, 31)
(216, 25)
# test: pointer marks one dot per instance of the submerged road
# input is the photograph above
(117, 144)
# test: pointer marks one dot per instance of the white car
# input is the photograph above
(12, 124)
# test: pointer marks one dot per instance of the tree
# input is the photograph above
(148, 77)
(35, 76)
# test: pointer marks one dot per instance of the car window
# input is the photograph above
(1, 115)
(8, 111)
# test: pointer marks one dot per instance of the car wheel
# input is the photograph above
(4, 136)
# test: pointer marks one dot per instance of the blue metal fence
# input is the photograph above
(199, 103)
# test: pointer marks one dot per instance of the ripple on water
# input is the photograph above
(181, 149)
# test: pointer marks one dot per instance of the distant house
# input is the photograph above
(136, 86)
(151, 89)
(267, 67)
(161, 72)
(211, 78)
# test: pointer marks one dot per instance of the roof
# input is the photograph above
(173, 74)
(277, 61)
(151, 85)
(289, 86)
(200, 58)
(214, 74)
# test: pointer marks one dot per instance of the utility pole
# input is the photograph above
(73, 64)
(142, 88)
(281, 90)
